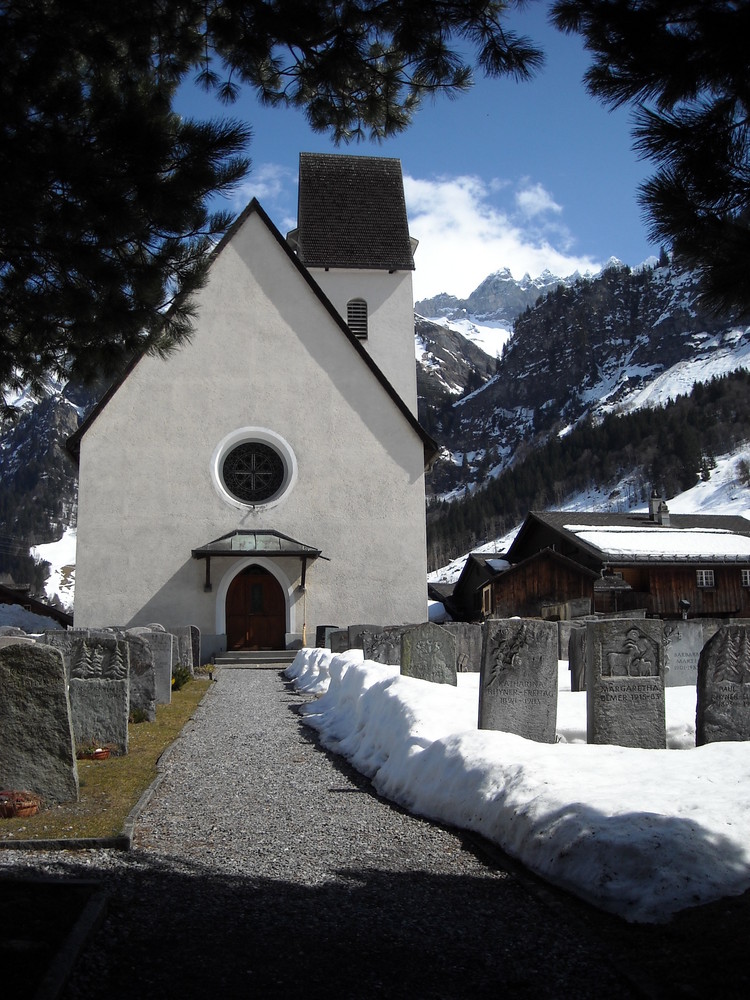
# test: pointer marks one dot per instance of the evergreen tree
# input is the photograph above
(684, 65)
(103, 218)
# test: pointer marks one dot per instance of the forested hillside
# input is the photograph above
(667, 448)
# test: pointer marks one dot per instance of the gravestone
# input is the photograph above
(15, 640)
(577, 658)
(142, 678)
(339, 640)
(99, 689)
(357, 631)
(323, 635)
(11, 630)
(564, 631)
(65, 642)
(468, 638)
(723, 697)
(683, 642)
(428, 652)
(182, 647)
(518, 682)
(384, 645)
(161, 645)
(195, 640)
(37, 751)
(625, 683)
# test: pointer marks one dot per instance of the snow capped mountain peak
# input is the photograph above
(614, 264)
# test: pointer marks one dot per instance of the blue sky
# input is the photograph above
(524, 176)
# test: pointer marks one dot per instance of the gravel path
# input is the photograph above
(265, 867)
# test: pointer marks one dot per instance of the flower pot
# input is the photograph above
(18, 804)
(101, 753)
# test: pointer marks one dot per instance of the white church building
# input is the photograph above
(268, 477)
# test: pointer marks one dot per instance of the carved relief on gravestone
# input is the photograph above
(384, 645)
(723, 697)
(100, 691)
(108, 662)
(518, 682)
(428, 653)
(625, 684)
(356, 633)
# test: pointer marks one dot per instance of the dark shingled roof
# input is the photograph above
(351, 213)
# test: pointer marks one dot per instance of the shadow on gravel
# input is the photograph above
(700, 952)
(368, 934)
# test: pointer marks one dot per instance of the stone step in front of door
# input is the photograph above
(257, 658)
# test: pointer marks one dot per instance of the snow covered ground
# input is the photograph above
(640, 833)
(61, 555)
(14, 614)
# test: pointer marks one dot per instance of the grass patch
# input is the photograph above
(111, 788)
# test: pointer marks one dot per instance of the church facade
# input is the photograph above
(268, 477)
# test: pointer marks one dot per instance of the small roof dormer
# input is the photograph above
(351, 213)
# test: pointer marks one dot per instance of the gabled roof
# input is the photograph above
(479, 568)
(632, 537)
(351, 213)
(543, 555)
(430, 447)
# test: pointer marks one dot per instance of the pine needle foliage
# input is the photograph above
(105, 230)
(684, 67)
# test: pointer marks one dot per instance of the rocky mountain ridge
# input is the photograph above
(581, 347)
(622, 340)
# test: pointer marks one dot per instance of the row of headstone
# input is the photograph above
(622, 664)
(682, 642)
(382, 644)
(66, 690)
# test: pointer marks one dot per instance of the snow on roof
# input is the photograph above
(661, 542)
(498, 564)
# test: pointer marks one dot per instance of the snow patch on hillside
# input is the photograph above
(61, 555)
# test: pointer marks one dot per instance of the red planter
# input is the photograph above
(18, 804)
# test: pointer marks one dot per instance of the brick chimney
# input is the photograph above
(653, 505)
(662, 515)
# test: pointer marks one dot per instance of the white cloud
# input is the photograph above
(533, 200)
(468, 228)
(275, 187)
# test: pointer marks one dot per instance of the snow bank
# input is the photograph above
(640, 833)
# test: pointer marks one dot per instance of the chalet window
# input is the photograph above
(745, 577)
(705, 577)
(356, 317)
(487, 600)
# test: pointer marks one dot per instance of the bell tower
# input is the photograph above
(352, 235)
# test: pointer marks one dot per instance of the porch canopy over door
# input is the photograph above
(241, 542)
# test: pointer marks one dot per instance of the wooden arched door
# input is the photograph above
(256, 611)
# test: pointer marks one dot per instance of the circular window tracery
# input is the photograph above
(253, 472)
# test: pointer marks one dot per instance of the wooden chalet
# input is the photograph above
(470, 598)
(669, 565)
(545, 585)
